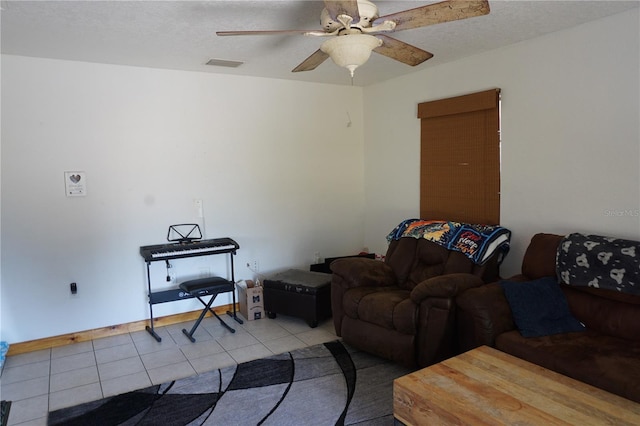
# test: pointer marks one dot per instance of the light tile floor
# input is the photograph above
(42, 381)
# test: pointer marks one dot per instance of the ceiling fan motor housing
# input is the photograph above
(368, 13)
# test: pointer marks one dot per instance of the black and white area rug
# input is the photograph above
(328, 384)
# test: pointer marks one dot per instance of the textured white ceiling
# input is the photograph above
(181, 34)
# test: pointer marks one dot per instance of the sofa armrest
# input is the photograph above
(483, 314)
(449, 285)
(359, 272)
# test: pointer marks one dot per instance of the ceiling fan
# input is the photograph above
(355, 29)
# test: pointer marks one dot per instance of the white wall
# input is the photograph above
(274, 162)
(570, 134)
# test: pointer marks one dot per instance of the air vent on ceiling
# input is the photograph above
(224, 63)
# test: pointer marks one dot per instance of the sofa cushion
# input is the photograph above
(429, 260)
(608, 312)
(388, 307)
(400, 257)
(607, 362)
(540, 258)
(539, 307)
(380, 341)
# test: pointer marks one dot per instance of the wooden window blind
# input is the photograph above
(460, 158)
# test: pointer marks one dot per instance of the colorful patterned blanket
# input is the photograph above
(601, 262)
(478, 242)
(4, 348)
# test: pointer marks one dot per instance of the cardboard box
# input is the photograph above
(250, 300)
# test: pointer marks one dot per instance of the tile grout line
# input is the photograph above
(49, 378)
(140, 358)
(95, 358)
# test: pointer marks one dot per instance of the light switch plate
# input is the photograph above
(198, 206)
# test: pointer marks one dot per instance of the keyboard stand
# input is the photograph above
(228, 247)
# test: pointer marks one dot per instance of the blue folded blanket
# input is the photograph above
(478, 242)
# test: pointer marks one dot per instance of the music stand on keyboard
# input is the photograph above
(184, 232)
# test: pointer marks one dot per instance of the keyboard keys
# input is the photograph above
(193, 248)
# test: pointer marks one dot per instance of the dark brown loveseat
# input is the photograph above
(403, 309)
(606, 354)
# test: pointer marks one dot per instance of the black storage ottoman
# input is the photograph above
(298, 293)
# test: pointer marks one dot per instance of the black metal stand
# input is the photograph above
(234, 313)
(150, 328)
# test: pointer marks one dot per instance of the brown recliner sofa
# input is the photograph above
(403, 309)
(606, 354)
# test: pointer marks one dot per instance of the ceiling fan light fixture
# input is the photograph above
(350, 50)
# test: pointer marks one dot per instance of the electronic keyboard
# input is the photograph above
(188, 249)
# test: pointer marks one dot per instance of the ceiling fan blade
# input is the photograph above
(446, 11)
(342, 7)
(266, 32)
(401, 51)
(312, 61)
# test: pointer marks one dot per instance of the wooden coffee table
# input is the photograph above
(487, 387)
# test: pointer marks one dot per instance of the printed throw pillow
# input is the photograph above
(539, 307)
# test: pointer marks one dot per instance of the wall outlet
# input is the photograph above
(316, 257)
(205, 272)
(173, 277)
